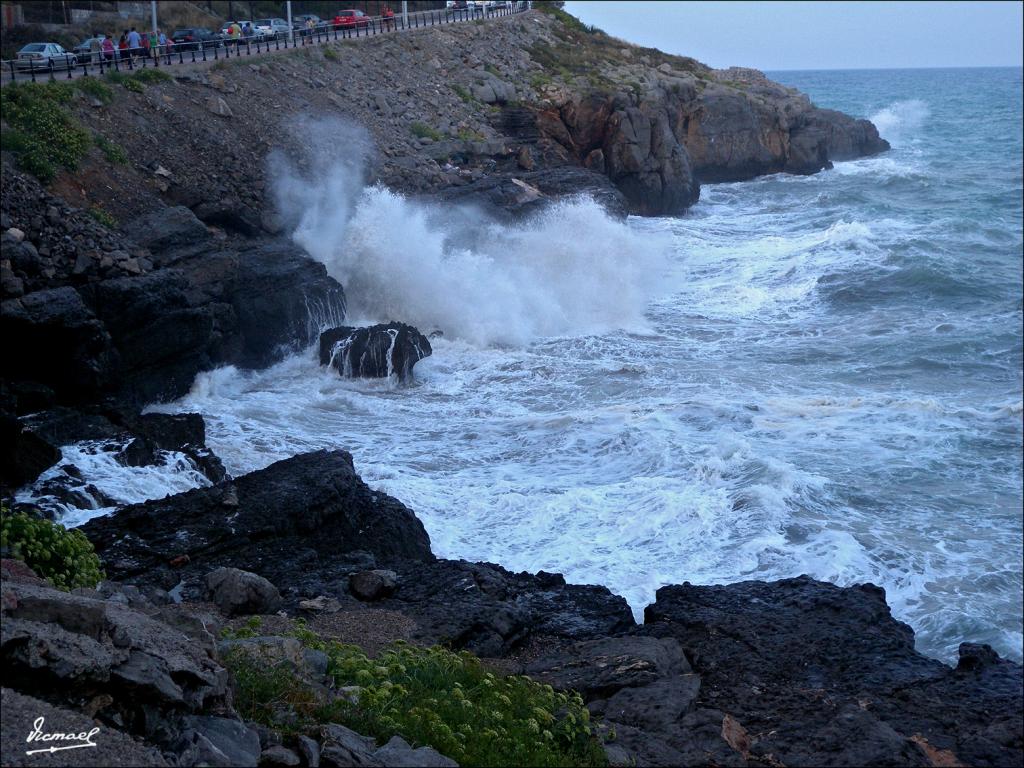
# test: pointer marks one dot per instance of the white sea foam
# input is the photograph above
(96, 462)
(899, 122)
(570, 269)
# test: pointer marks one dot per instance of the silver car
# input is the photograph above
(271, 28)
(39, 56)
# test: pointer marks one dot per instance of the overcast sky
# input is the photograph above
(819, 35)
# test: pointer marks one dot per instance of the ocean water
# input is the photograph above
(816, 375)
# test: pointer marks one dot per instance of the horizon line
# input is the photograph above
(882, 69)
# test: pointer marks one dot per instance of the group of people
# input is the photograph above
(131, 45)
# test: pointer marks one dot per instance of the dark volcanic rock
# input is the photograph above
(171, 233)
(259, 521)
(380, 351)
(519, 195)
(73, 647)
(373, 585)
(144, 337)
(24, 455)
(821, 675)
(53, 338)
(240, 592)
(491, 611)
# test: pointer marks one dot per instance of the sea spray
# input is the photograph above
(901, 120)
(570, 269)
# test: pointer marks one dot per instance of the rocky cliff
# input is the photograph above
(453, 111)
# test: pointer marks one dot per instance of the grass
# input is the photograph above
(114, 153)
(103, 217)
(41, 130)
(429, 696)
(424, 131)
(582, 52)
(331, 53)
(151, 76)
(463, 93)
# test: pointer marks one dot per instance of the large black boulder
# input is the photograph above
(380, 351)
(260, 523)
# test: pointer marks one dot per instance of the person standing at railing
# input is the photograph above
(389, 18)
(134, 44)
(108, 48)
(94, 48)
(310, 26)
(122, 46)
(235, 31)
(162, 41)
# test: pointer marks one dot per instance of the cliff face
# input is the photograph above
(453, 111)
(660, 129)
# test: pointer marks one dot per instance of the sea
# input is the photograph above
(801, 375)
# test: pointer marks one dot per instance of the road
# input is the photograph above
(255, 47)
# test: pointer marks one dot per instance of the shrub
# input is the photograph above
(422, 130)
(45, 135)
(64, 557)
(113, 152)
(463, 93)
(429, 696)
(94, 87)
(103, 217)
(331, 54)
(152, 76)
(130, 82)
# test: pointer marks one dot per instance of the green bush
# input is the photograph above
(331, 53)
(103, 217)
(422, 130)
(43, 132)
(130, 82)
(429, 696)
(152, 76)
(64, 557)
(113, 152)
(463, 93)
(94, 87)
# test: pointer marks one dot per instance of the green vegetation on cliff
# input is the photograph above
(429, 696)
(64, 557)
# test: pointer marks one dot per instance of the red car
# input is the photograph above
(351, 19)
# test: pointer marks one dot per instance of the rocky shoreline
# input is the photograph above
(794, 672)
(101, 321)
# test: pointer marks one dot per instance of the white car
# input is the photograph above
(39, 56)
(271, 28)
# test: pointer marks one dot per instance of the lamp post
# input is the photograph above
(291, 32)
(152, 5)
(405, 14)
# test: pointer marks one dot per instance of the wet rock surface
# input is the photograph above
(313, 502)
(385, 351)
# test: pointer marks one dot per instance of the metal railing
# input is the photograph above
(175, 54)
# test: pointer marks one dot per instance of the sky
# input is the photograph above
(819, 35)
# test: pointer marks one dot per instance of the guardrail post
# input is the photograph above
(13, 78)
(52, 78)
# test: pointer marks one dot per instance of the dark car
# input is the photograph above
(192, 38)
(350, 19)
(299, 22)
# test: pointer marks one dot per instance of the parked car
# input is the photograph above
(39, 56)
(350, 19)
(271, 28)
(84, 50)
(299, 22)
(457, 5)
(192, 38)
